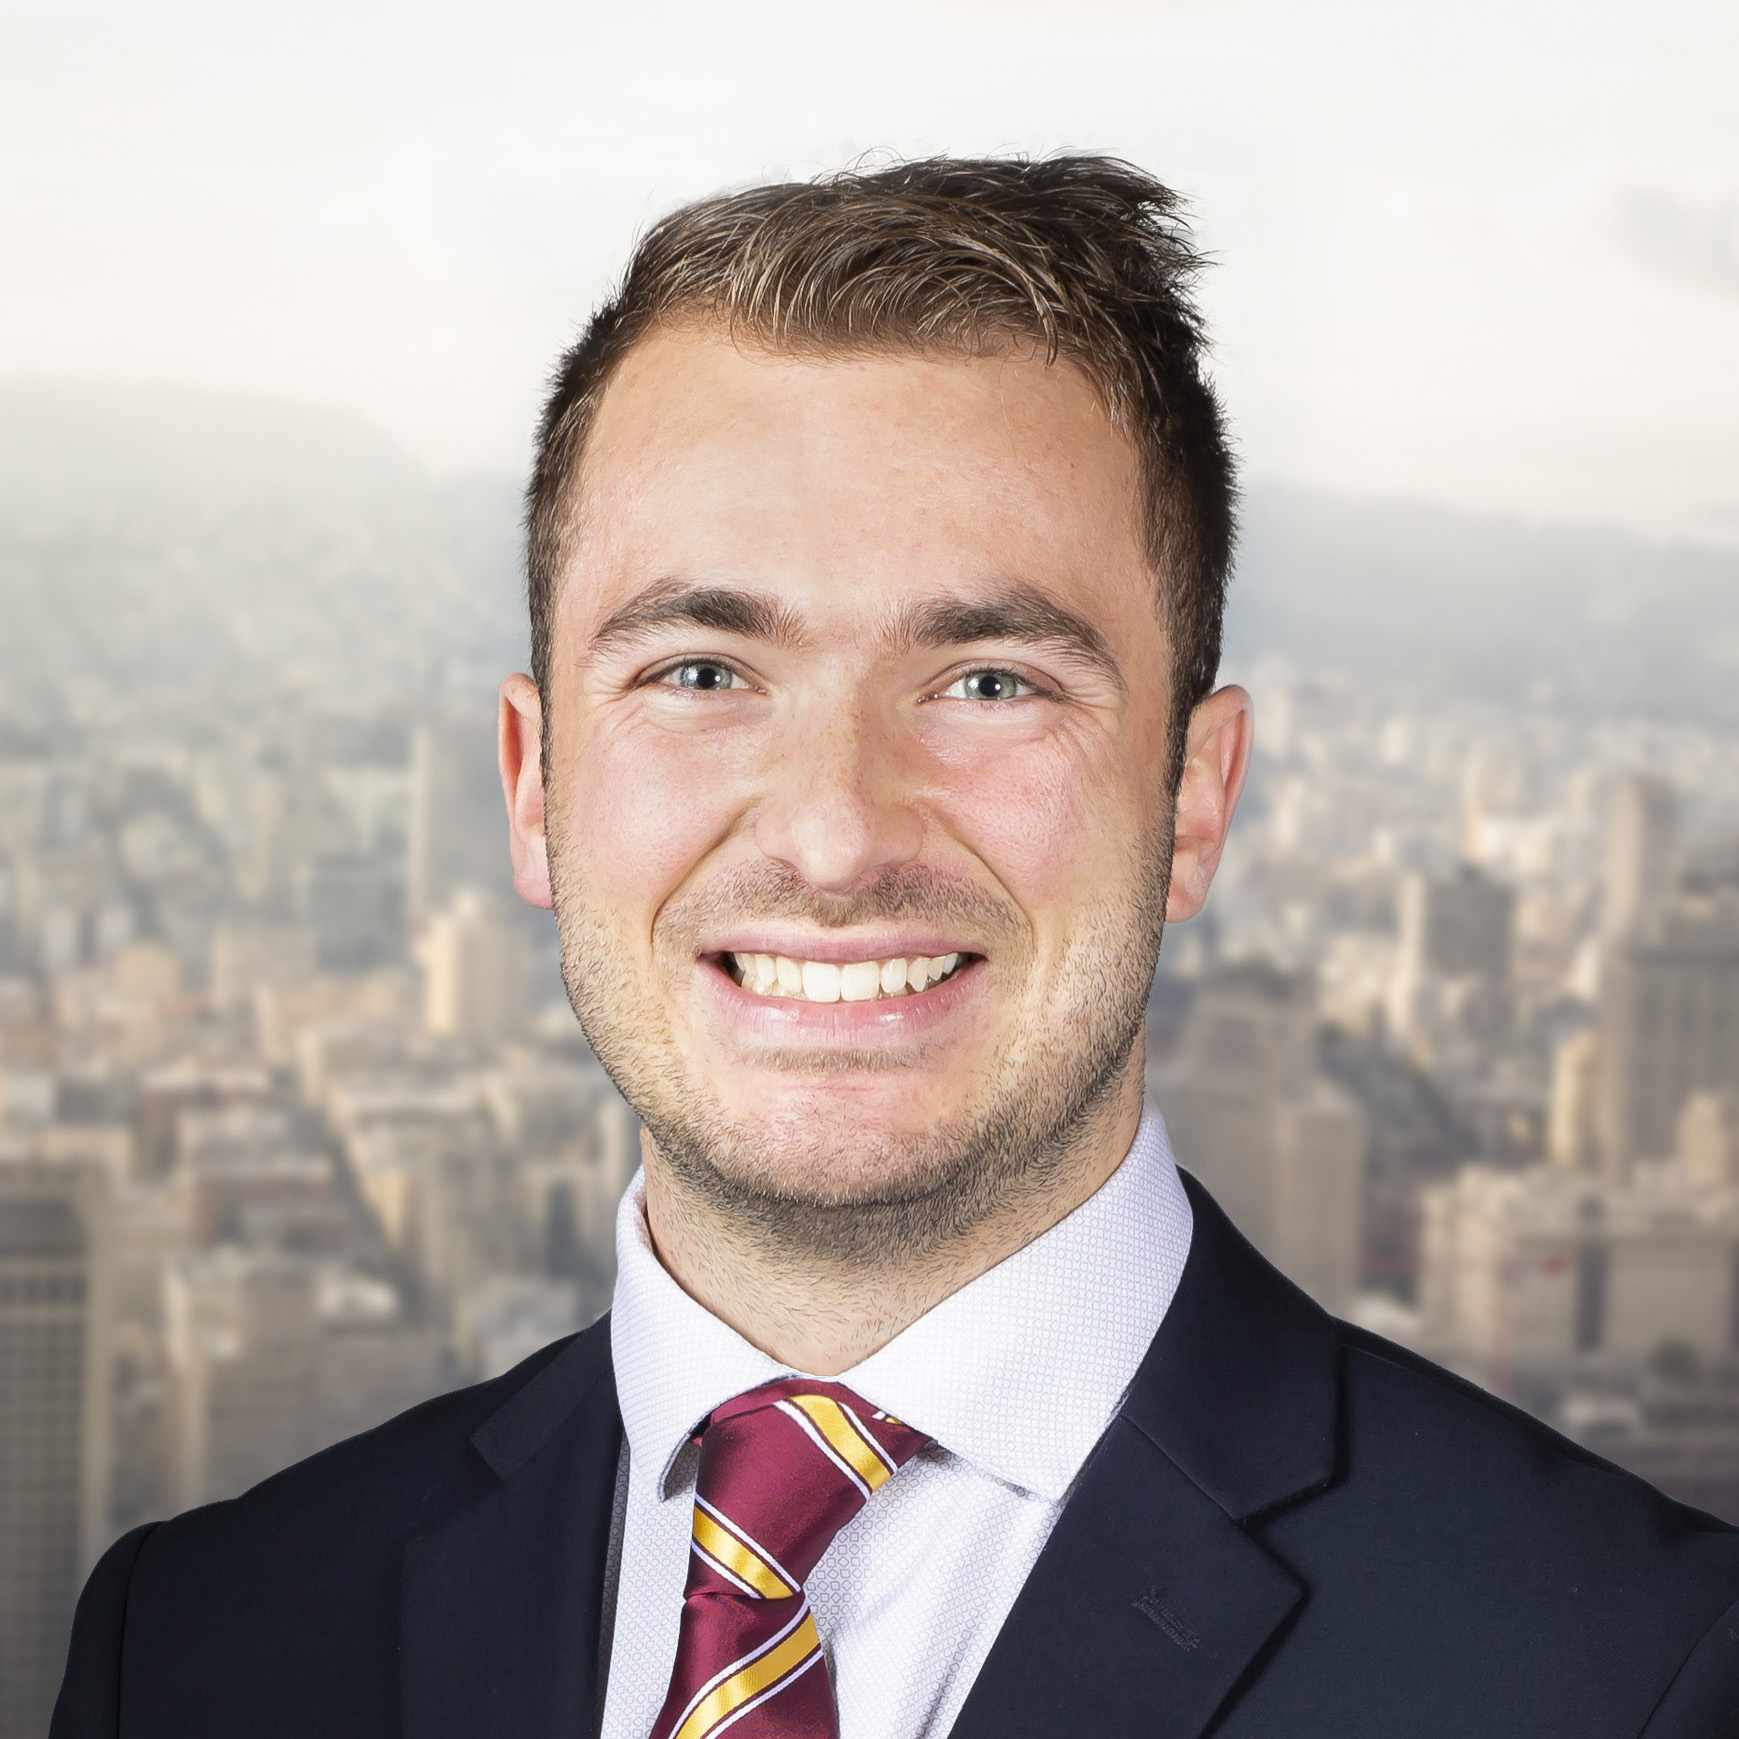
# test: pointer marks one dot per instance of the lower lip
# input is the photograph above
(880, 1020)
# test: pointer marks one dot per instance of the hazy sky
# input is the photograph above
(1484, 253)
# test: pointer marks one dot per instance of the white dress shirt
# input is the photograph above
(1016, 1375)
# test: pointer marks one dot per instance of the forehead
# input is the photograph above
(852, 477)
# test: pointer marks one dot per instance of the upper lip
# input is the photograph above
(842, 950)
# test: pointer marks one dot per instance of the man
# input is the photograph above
(877, 546)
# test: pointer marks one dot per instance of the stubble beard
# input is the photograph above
(1048, 1093)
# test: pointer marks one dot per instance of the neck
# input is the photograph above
(822, 1318)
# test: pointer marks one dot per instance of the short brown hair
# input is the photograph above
(971, 255)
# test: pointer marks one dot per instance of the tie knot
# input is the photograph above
(783, 1467)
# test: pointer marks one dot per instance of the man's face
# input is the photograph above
(843, 793)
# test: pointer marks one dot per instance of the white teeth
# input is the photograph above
(860, 981)
(828, 981)
(821, 981)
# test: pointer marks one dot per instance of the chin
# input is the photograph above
(802, 1158)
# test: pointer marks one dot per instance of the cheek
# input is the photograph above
(1042, 821)
(646, 805)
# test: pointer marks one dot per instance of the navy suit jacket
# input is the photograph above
(1294, 1529)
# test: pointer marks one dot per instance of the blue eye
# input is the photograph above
(688, 664)
(1004, 677)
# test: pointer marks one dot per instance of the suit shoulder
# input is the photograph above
(89, 1699)
(370, 1490)
(295, 1585)
(1375, 1361)
(1422, 1433)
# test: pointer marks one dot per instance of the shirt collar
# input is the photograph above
(1019, 1371)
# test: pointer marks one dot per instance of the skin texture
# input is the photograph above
(819, 1199)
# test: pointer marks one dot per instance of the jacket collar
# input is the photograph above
(1147, 1604)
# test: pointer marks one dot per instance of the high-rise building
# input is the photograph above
(247, 955)
(1456, 940)
(1572, 1132)
(1709, 1138)
(476, 968)
(576, 1142)
(1541, 1271)
(275, 1354)
(506, 1317)
(55, 1351)
(192, 1083)
(458, 821)
(1668, 1022)
(1281, 1146)
(1457, 924)
(352, 904)
(375, 1360)
(242, 1342)
(389, 997)
(1642, 851)
(429, 1164)
(57, 899)
(242, 1161)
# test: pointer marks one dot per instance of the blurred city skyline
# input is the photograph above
(296, 1126)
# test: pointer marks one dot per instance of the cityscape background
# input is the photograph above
(296, 1126)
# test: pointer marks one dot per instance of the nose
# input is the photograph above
(838, 809)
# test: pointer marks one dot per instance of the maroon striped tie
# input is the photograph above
(782, 1469)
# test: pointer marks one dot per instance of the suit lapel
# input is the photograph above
(502, 1599)
(1150, 1600)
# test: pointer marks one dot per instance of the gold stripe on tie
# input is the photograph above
(736, 1557)
(828, 1417)
(756, 1676)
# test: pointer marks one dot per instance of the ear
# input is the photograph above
(1221, 732)
(520, 753)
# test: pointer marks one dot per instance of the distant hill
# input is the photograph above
(157, 524)
(1486, 605)
(208, 542)
(64, 439)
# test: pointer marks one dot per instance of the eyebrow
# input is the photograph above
(1008, 610)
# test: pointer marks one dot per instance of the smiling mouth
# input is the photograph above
(779, 976)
